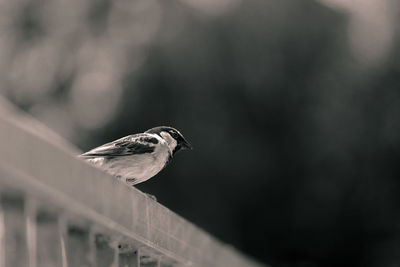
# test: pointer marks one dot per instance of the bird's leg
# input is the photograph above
(132, 181)
(153, 197)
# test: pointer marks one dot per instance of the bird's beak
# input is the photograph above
(186, 145)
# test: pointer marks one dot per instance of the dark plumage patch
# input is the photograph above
(130, 145)
(168, 160)
(139, 148)
(152, 140)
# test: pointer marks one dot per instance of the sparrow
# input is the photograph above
(138, 157)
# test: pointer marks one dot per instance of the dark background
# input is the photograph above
(292, 107)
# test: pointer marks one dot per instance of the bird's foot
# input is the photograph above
(153, 197)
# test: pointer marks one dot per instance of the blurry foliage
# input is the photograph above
(292, 106)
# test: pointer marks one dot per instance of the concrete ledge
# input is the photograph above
(42, 166)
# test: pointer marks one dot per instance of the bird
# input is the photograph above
(138, 157)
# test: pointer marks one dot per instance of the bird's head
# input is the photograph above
(172, 136)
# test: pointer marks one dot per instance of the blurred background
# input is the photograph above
(293, 108)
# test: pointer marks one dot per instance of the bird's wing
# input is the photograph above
(129, 145)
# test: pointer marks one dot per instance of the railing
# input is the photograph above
(56, 210)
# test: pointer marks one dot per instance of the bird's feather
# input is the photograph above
(129, 145)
